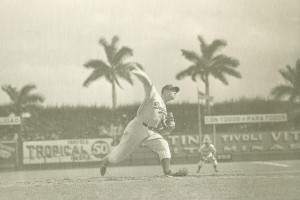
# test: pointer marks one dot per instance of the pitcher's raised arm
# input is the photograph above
(143, 77)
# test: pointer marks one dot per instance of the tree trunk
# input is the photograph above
(114, 97)
(207, 101)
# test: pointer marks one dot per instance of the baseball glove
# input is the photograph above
(169, 122)
(166, 125)
(204, 158)
(181, 172)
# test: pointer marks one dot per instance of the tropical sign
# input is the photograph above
(62, 151)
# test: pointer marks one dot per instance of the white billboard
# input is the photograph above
(234, 119)
(10, 120)
(63, 151)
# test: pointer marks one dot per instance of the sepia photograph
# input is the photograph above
(140, 99)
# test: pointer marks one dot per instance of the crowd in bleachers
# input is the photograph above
(66, 122)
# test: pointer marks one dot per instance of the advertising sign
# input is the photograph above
(8, 153)
(63, 151)
(239, 143)
(227, 145)
(235, 119)
(10, 120)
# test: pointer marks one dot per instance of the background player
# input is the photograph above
(144, 127)
(207, 152)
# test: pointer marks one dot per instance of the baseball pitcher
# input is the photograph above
(151, 122)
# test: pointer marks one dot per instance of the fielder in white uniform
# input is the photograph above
(207, 152)
(143, 128)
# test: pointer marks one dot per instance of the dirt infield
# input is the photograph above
(247, 180)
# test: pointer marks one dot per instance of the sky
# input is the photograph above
(47, 42)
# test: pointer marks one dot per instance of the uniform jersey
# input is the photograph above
(153, 108)
(207, 150)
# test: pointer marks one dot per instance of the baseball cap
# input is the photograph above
(170, 87)
(206, 141)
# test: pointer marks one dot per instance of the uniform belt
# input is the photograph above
(151, 128)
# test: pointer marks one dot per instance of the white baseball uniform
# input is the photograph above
(207, 153)
(149, 114)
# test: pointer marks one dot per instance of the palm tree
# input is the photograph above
(209, 64)
(291, 88)
(23, 100)
(112, 71)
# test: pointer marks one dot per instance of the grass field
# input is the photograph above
(236, 180)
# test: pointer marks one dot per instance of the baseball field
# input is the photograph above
(235, 180)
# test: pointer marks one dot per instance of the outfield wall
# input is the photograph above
(89, 152)
(241, 146)
(286, 142)
(230, 147)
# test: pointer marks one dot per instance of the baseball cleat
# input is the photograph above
(103, 167)
(102, 170)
